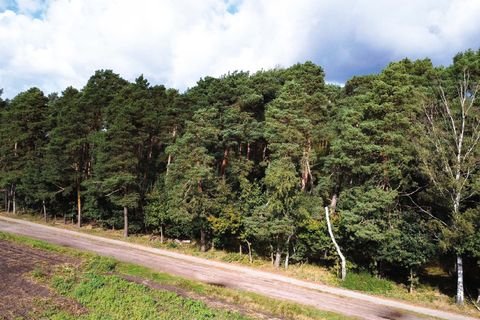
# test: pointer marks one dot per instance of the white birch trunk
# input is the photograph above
(278, 258)
(169, 160)
(249, 245)
(287, 257)
(337, 247)
(460, 292)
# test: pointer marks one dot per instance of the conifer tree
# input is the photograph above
(26, 135)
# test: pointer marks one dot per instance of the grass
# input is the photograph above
(111, 297)
(423, 295)
(99, 287)
(257, 302)
(366, 283)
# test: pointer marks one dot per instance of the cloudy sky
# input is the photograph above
(56, 43)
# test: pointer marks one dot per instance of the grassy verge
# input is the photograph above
(424, 295)
(98, 284)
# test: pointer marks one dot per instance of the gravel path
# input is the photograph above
(323, 297)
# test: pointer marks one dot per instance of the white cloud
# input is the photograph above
(177, 42)
(30, 6)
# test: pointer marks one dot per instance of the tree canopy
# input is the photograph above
(248, 162)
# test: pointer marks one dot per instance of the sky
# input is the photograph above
(53, 44)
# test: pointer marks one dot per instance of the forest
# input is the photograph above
(248, 162)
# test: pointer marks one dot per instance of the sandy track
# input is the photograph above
(323, 297)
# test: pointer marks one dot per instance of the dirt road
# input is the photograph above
(323, 297)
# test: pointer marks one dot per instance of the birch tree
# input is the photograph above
(452, 160)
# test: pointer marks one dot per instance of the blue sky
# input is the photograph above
(56, 43)
(31, 8)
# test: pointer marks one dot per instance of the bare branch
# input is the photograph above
(411, 193)
(449, 113)
(434, 138)
(114, 191)
(426, 211)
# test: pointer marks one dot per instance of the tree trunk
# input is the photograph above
(240, 249)
(411, 279)
(339, 252)
(79, 206)
(161, 234)
(44, 210)
(169, 160)
(248, 151)
(203, 246)
(9, 200)
(14, 202)
(287, 257)
(223, 166)
(460, 292)
(278, 257)
(125, 222)
(271, 254)
(305, 164)
(249, 245)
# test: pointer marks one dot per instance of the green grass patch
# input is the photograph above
(251, 300)
(367, 283)
(111, 297)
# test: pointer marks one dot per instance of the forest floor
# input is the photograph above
(221, 275)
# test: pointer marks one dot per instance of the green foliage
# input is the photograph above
(114, 298)
(248, 161)
(367, 283)
(100, 265)
(24, 134)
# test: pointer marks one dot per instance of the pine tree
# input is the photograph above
(192, 179)
(98, 93)
(68, 149)
(26, 134)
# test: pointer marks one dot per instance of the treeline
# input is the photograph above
(249, 161)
